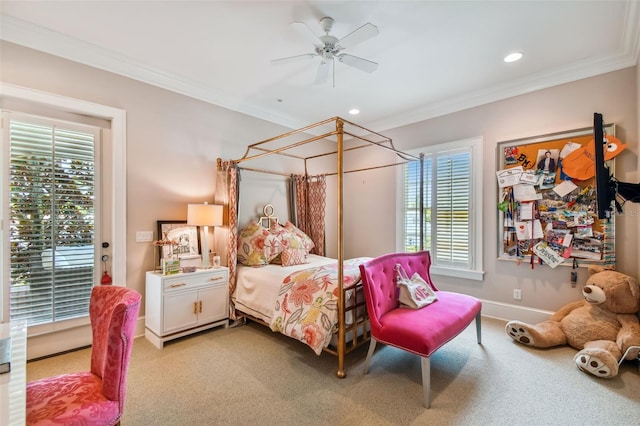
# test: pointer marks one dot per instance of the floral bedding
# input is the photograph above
(307, 303)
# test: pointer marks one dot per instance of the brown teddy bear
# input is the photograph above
(602, 326)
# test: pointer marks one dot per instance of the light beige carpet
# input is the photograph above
(248, 375)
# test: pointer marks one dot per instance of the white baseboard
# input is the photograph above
(45, 345)
(140, 327)
(497, 310)
(508, 312)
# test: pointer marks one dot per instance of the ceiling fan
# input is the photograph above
(330, 48)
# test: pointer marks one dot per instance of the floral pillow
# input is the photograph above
(294, 251)
(307, 242)
(257, 246)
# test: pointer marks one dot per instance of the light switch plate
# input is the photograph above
(144, 236)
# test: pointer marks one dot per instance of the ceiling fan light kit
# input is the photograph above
(330, 48)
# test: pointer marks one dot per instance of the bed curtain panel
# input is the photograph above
(311, 193)
(227, 193)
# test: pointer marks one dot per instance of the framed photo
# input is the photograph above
(187, 238)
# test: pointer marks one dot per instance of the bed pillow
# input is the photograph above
(294, 251)
(307, 242)
(293, 256)
(257, 246)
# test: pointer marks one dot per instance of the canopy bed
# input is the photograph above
(311, 155)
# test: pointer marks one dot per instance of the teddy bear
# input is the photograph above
(602, 326)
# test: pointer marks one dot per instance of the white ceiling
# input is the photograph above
(435, 57)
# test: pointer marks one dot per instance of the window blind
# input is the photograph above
(446, 210)
(452, 218)
(52, 193)
(414, 217)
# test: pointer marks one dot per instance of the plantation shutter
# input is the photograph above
(52, 182)
(414, 217)
(452, 209)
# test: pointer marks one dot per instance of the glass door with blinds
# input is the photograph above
(53, 185)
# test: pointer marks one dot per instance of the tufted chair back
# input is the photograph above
(379, 281)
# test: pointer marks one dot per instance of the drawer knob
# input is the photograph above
(178, 285)
(218, 278)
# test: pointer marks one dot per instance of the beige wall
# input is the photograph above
(565, 107)
(173, 142)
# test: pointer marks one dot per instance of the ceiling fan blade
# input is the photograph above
(323, 72)
(306, 31)
(362, 64)
(359, 35)
(292, 58)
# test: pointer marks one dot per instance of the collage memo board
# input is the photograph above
(545, 217)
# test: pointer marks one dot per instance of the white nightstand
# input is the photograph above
(185, 303)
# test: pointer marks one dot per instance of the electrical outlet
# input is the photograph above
(144, 236)
(517, 294)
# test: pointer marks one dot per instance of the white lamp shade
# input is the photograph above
(204, 214)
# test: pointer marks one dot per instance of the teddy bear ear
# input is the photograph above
(594, 269)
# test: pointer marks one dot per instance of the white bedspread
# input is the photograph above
(257, 287)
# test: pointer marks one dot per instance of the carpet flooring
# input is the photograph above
(248, 375)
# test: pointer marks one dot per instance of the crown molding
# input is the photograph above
(574, 72)
(35, 37)
(39, 38)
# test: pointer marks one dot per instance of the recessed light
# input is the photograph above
(354, 111)
(512, 57)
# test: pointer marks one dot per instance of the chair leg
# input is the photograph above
(426, 379)
(479, 327)
(372, 347)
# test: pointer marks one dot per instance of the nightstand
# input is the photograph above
(185, 303)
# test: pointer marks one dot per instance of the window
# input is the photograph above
(52, 218)
(443, 211)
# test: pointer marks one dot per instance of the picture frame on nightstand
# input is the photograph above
(187, 237)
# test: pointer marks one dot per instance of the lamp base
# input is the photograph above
(205, 249)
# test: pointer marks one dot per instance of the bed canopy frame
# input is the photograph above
(347, 137)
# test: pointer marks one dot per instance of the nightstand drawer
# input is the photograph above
(189, 281)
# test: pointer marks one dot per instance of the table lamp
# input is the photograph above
(204, 215)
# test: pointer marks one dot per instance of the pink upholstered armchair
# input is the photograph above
(94, 397)
(419, 331)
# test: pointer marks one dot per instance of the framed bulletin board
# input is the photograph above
(545, 215)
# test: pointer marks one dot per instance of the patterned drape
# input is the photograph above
(227, 182)
(311, 192)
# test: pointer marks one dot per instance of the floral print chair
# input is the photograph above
(94, 397)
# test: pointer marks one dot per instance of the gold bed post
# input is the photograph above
(341, 325)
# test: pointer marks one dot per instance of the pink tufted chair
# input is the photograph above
(419, 331)
(94, 397)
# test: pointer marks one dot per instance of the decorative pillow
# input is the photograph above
(307, 242)
(257, 246)
(293, 256)
(292, 244)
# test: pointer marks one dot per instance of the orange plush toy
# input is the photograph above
(581, 165)
(602, 326)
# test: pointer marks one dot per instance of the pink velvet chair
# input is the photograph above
(94, 397)
(419, 331)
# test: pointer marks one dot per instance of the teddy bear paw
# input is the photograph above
(596, 364)
(519, 333)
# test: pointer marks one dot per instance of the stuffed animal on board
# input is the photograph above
(580, 164)
(602, 326)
